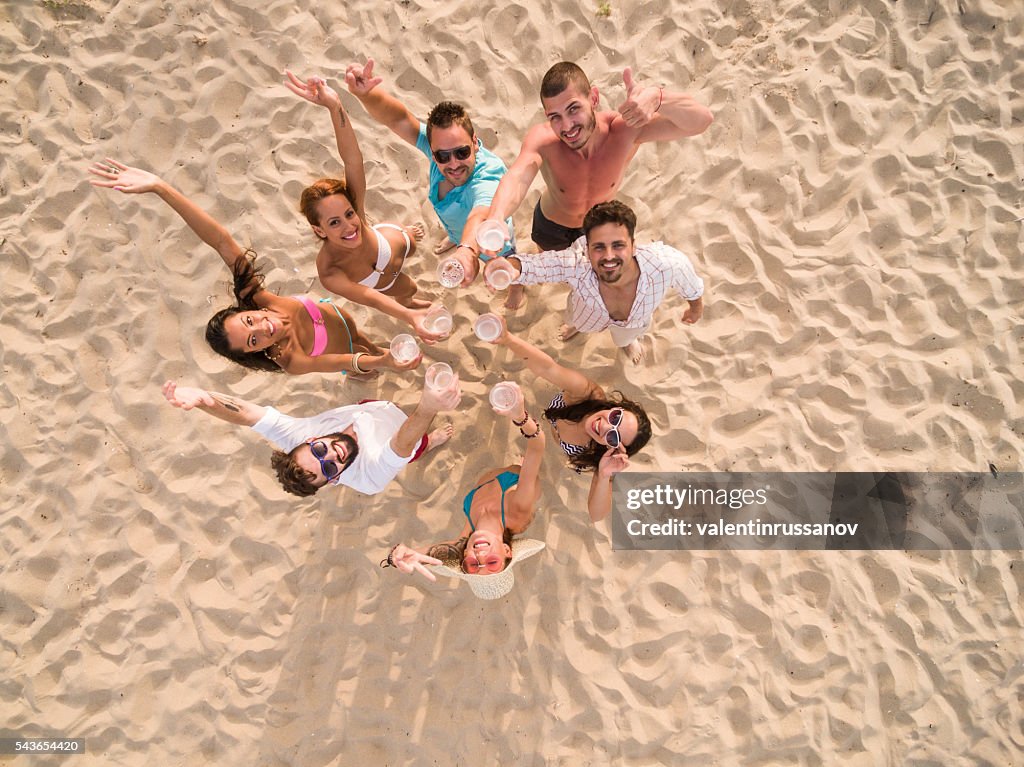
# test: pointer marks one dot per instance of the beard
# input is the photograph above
(586, 131)
(351, 446)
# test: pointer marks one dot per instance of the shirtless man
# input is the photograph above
(583, 153)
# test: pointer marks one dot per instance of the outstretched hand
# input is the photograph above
(391, 362)
(122, 178)
(693, 312)
(360, 79)
(440, 401)
(499, 263)
(613, 461)
(410, 561)
(314, 89)
(641, 103)
(187, 397)
(419, 317)
(502, 334)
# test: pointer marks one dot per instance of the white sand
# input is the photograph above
(855, 211)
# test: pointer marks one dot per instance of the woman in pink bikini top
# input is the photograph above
(360, 262)
(263, 331)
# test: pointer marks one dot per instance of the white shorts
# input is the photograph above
(625, 336)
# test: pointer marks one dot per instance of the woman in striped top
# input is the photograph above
(597, 431)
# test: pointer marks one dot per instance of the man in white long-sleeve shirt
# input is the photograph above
(615, 283)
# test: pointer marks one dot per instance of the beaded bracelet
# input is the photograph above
(389, 562)
(520, 424)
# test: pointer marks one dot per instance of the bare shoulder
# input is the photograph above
(270, 300)
(590, 391)
(541, 139)
(618, 128)
(327, 267)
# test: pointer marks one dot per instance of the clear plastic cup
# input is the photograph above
(404, 348)
(450, 272)
(503, 396)
(439, 376)
(438, 320)
(487, 327)
(499, 278)
(491, 235)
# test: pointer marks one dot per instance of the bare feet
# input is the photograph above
(439, 436)
(443, 246)
(634, 350)
(516, 296)
(417, 230)
(566, 332)
(417, 303)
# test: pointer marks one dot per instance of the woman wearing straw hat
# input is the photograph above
(500, 505)
(596, 431)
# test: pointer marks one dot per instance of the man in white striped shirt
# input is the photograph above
(615, 284)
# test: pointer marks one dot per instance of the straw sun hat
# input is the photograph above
(494, 585)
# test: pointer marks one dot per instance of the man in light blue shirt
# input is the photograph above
(463, 174)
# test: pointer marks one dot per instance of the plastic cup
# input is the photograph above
(503, 396)
(404, 348)
(439, 376)
(438, 320)
(491, 235)
(450, 273)
(499, 278)
(487, 327)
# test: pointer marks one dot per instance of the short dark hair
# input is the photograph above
(293, 478)
(446, 114)
(561, 76)
(611, 212)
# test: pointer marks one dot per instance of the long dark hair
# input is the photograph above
(453, 551)
(248, 280)
(590, 458)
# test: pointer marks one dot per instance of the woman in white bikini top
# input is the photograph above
(262, 331)
(362, 263)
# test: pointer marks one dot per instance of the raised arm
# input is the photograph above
(337, 282)
(222, 406)
(576, 385)
(316, 91)
(516, 183)
(381, 106)
(431, 403)
(661, 115)
(128, 180)
(528, 487)
(297, 364)
(599, 500)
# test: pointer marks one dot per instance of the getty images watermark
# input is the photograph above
(881, 510)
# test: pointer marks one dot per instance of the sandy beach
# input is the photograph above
(855, 212)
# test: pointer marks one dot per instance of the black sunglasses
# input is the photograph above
(442, 156)
(612, 436)
(330, 469)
